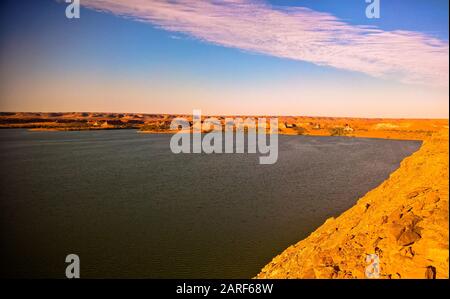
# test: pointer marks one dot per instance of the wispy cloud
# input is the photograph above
(295, 33)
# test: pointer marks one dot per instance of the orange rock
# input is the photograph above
(406, 225)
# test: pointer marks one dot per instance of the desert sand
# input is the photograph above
(404, 221)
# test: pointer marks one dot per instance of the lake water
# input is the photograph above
(130, 208)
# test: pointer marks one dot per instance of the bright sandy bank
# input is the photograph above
(404, 221)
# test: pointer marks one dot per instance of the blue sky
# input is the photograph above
(105, 62)
(416, 15)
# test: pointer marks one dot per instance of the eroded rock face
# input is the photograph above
(404, 221)
(408, 237)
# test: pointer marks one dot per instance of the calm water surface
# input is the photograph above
(130, 208)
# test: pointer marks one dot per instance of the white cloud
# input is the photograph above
(295, 33)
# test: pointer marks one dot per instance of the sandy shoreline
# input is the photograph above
(404, 221)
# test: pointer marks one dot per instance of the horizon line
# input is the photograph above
(234, 115)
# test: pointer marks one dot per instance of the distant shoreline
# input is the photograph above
(403, 129)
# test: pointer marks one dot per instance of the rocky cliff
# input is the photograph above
(404, 222)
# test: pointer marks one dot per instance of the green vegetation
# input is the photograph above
(300, 130)
(156, 127)
(338, 131)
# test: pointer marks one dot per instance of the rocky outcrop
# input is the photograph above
(404, 222)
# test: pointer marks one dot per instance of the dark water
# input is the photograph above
(130, 208)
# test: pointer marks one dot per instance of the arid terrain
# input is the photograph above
(412, 129)
(404, 220)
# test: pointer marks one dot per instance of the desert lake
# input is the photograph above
(129, 207)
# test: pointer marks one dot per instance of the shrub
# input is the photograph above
(155, 127)
(337, 131)
(300, 130)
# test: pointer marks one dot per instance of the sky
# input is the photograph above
(284, 57)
